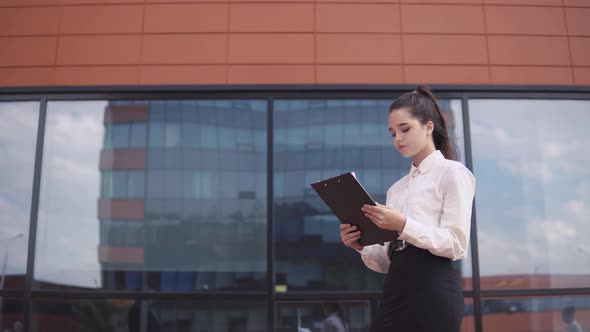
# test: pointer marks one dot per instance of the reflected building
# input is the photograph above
(182, 194)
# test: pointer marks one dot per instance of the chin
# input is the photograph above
(406, 154)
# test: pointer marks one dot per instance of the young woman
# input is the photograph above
(430, 208)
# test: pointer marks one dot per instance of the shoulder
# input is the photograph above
(455, 168)
(454, 173)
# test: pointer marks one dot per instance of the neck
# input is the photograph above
(420, 156)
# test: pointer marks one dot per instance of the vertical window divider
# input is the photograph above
(269, 214)
(473, 236)
(28, 302)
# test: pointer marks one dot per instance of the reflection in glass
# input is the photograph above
(158, 195)
(468, 323)
(532, 193)
(316, 316)
(128, 315)
(12, 314)
(317, 139)
(18, 135)
(532, 314)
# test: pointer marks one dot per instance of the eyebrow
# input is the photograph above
(400, 125)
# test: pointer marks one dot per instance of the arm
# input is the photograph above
(451, 238)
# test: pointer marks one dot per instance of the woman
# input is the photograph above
(430, 208)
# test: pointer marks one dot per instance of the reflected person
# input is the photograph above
(567, 315)
(430, 208)
(334, 321)
(135, 319)
(17, 326)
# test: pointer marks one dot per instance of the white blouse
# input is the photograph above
(436, 198)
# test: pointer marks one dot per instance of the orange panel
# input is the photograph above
(98, 50)
(470, 2)
(122, 159)
(29, 21)
(206, 74)
(357, 18)
(582, 75)
(525, 2)
(525, 20)
(445, 49)
(183, 1)
(127, 113)
(101, 19)
(25, 76)
(358, 48)
(359, 74)
(27, 51)
(580, 47)
(271, 74)
(531, 75)
(528, 50)
(102, 75)
(577, 3)
(184, 49)
(447, 74)
(442, 19)
(186, 18)
(94, 2)
(111, 254)
(258, 17)
(271, 48)
(121, 209)
(9, 3)
(577, 21)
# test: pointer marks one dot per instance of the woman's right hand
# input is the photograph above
(350, 236)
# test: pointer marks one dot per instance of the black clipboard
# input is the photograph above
(345, 196)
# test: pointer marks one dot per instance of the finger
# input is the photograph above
(345, 226)
(348, 236)
(348, 230)
(352, 240)
(368, 208)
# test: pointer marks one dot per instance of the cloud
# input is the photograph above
(68, 222)
(537, 155)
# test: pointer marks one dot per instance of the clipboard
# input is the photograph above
(345, 196)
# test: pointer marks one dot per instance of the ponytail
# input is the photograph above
(423, 106)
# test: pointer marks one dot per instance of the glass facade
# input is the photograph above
(18, 136)
(147, 315)
(530, 159)
(196, 213)
(155, 195)
(318, 139)
(549, 313)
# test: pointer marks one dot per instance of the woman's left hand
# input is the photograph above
(385, 217)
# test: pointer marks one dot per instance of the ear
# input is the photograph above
(429, 127)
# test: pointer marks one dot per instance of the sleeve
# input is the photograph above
(451, 237)
(375, 257)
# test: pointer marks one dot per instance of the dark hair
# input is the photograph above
(570, 310)
(423, 106)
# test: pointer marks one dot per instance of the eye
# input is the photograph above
(393, 135)
(405, 130)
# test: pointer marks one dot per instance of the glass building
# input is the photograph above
(160, 210)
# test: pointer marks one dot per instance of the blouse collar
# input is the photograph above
(428, 162)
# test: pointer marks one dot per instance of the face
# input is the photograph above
(410, 137)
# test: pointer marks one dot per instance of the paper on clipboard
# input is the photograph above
(345, 196)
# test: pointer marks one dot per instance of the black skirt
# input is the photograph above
(421, 293)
